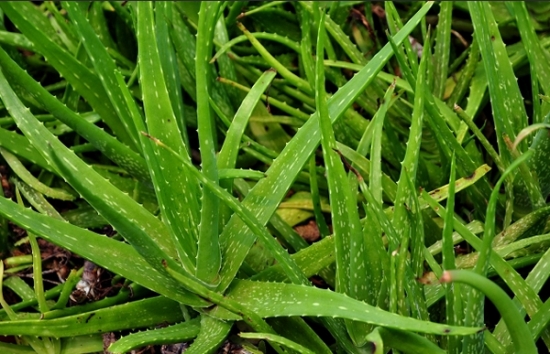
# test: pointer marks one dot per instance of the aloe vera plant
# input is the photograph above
(204, 134)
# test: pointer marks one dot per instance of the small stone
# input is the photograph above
(309, 232)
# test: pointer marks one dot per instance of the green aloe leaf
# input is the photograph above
(118, 257)
(442, 47)
(475, 302)
(99, 24)
(164, 12)
(228, 153)
(506, 100)
(103, 64)
(176, 192)
(177, 333)
(291, 160)
(406, 342)
(523, 342)
(25, 175)
(282, 257)
(147, 234)
(412, 154)
(107, 144)
(453, 299)
(211, 335)
(350, 245)
(208, 262)
(20, 146)
(136, 314)
(297, 300)
(277, 339)
(541, 69)
(227, 158)
(25, 16)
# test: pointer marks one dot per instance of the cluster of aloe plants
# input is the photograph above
(108, 106)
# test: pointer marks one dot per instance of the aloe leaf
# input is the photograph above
(517, 229)
(474, 312)
(20, 170)
(184, 44)
(334, 29)
(394, 23)
(306, 44)
(176, 192)
(71, 97)
(402, 60)
(482, 139)
(163, 15)
(211, 335)
(296, 300)
(208, 261)
(406, 275)
(229, 310)
(298, 331)
(177, 333)
(441, 193)
(284, 169)
(466, 75)
(538, 323)
(232, 173)
(335, 174)
(64, 29)
(226, 67)
(376, 341)
(407, 342)
(521, 335)
(534, 50)
(517, 56)
(316, 199)
(376, 259)
(442, 47)
(108, 145)
(227, 157)
(80, 77)
(124, 13)
(258, 35)
(282, 257)
(438, 116)
(410, 162)
(16, 40)
(363, 165)
(413, 269)
(350, 246)
(16, 349)
(300, 83)
(59, 310)
(83, 344)
(539, 63)
(144, 229)
(453, 299)
(36, 267)
(136, 314)
(537, 276)
(283, 106)
(525, 294)
(228, 153)
(375, 174)
(505, 95)
(40, 21)
(117, 257)
(277, 339)
(99, 24)
(282, 227)
(103, 64)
